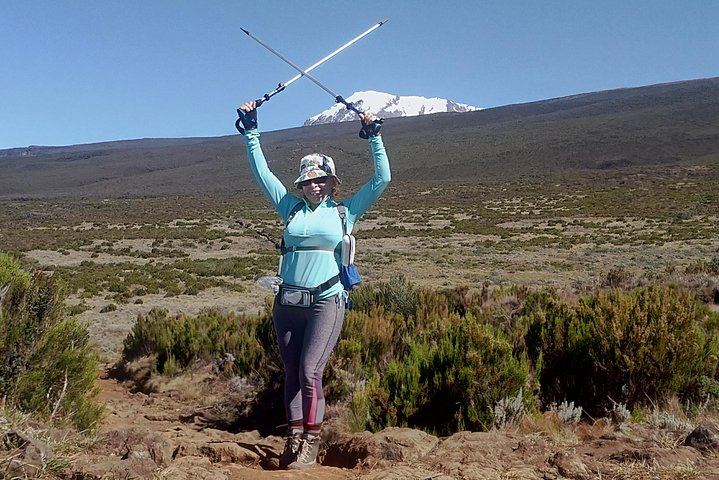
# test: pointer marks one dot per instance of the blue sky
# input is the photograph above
(83, 71)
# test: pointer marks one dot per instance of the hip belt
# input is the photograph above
(294, 296)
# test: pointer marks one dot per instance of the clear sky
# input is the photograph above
(83, 71)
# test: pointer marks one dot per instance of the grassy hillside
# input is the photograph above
(595, 135)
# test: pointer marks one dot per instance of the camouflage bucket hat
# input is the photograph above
(316, 165)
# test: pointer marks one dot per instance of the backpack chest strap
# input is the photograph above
(285, 249)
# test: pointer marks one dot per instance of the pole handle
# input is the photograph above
(366, 131)
(258, 103)
(349, 105)
(266, 97)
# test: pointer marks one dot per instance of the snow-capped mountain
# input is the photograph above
(386, 105)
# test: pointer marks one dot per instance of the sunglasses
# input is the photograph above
(319, 181)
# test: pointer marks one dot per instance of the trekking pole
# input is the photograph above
(281, 86)
(305, 73)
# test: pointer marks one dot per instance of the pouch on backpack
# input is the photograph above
(349, 276)
(348, 250)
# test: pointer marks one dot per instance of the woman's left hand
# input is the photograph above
(370, 125)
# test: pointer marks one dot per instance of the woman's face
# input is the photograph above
(317, 189)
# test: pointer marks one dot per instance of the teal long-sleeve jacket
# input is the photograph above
(321, 227)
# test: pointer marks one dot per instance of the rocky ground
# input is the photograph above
(166, 436)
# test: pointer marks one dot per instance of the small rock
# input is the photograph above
(187, 449)
(570, 466)
(229, 452)
(135, 444)
(705, 437)
(386, 447)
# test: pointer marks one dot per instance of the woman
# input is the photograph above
(310, 306)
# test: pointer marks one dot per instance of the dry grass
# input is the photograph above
(550, 427)
(649, 470)
(33, 450)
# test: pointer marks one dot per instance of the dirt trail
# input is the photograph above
(163, 436)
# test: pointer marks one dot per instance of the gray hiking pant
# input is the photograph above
(306, 337)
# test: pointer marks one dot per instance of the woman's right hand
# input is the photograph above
(248, 106)
(248, 116)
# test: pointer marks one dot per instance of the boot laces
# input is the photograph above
(305, 452)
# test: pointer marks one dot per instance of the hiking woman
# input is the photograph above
(309, 309)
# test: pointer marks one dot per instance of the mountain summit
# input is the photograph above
(386, 105)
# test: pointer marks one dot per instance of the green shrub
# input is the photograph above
(398, 295)
(710, 267)
(634, 348)
(450, 379)
(47, 365)
(110, 307)
(183, 340)
(407, 360)
(61, 375)
(369, 341)
(619, 277)
(179, 342)
(444, 361)
(11, 272)
(77, 309)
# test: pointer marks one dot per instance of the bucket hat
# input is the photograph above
(316, 165)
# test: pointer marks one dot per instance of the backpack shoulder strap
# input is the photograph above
(342, 211)
(298, 206)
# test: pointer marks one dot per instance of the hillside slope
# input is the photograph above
(637, 128)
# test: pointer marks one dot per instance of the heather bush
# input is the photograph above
(619, 277)
(445, 361)
(368, 343)
(636, 347)
(450, 378)
(47, 364)
(414, 363)
(11, 272)
(714, 265)
(60, 376)
(180, 341)
(432, 369)
(398, 295)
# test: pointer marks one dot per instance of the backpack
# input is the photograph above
(349, 274)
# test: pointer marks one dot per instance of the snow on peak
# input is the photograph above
(386, 105)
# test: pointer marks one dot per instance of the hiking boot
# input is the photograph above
(292, 446)
(307, 454)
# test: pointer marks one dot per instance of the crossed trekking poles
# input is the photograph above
(366, 131)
